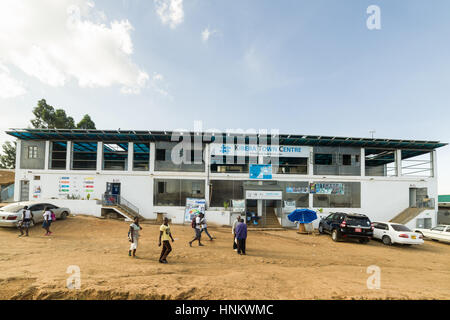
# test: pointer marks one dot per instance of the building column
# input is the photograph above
(151, 165)
(69, 155)
(311, 163)
(433, 159)
(362, 162)
(99, 156)
(17, 171)
(206, 160)
(130, 156)
(398, 162)
(310, 198)
(47, 155)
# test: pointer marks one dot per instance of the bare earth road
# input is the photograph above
(278, 265)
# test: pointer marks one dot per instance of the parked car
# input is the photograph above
(11, 214)
(391, 233)
(439, 233)
(347, 225)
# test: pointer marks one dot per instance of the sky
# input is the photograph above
(304, 67)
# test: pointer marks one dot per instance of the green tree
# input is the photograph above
(8, 158)
(86, 123)
(46, 117)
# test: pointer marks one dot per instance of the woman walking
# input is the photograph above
(47, 221)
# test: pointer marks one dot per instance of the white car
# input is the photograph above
(391, 233)
(11, 214)
(439, 233)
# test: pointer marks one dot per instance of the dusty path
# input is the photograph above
(279, 265)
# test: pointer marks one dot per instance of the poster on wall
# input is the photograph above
(37, 191)
(238, 205)
(260, 171)
(64, 186)
(289, 205)
(327, 188)
(88, 186)
(194, 207)
(291, 189)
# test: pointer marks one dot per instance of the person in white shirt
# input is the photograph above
(204, 227)
(47, 221)
(134, 236)
(27, 218)
(198, 231)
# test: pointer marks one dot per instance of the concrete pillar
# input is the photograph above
(152, 157)
(206, 160)
(398, 162)
(47, 155)
(69, 156)
(311, 163)
(17, 171)
(99, 156)
(310, 197)
(362, 162)
(130, 156)
(433, 159)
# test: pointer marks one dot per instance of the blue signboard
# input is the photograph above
(261, 171)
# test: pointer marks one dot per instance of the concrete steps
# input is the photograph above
(407, 215)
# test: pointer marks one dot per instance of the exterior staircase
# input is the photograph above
(121, 206)
(407, 215)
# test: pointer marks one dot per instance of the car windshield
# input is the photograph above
(399, 227)
(12, 208)
(358, 221)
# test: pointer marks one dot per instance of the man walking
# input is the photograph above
(204, 226)
(134, 236)
(241, 236)
(27, 218)
(233, 231)
(196, 224)
(165, 235)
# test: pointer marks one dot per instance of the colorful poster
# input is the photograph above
(37, 191)
(289, 205)
(194, 207)
(292, 189)
(327, 188)
(261, 171)
(64, 186)
(88, 185)
(238, 205)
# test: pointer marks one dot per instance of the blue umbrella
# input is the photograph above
(302, 215)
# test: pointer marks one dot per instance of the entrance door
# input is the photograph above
(113, 192)
(24, 190)
(412, 197)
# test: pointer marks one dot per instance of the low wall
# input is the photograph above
(86, 207)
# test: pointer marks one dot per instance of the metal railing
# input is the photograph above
(425, 203)
(121, 202)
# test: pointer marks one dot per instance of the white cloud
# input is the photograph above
(206, 34)
(57, 41)
(170, 12)
(9, 87)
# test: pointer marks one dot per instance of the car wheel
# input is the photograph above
(363, 240)
(63, 216)
(320, 229)
(386, 240)
(335, 235)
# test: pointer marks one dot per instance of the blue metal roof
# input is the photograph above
(144, 136)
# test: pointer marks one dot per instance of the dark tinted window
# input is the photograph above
(399, 227)
(358, 221)
(37, 207)
(347, 159)
(323, 159)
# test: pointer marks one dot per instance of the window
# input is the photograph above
(380, 162)
(58, 155)
(423, 223)
(438, 228)
(348, 195)
(400, 227)
(141, 156)
(32, 152)
(289, 165)
(232, 164)
(84, 156)
(296, 191)
(173, 192)
(115, 156)
(225, 191)
(190, 157)
(323, 159)
(347, 159)
(160, 154)
(37, 177)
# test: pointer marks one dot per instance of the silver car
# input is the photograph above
(11, 214)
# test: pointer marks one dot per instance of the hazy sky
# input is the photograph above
(309, 67)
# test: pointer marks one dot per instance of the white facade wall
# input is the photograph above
(382, 198)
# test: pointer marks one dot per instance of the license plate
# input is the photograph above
(357, 229)
(413, 237)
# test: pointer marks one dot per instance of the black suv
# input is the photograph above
(347, 225)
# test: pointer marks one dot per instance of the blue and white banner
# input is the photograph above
(223, 149)
(260, 171)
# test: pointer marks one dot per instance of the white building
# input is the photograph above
(383, 178)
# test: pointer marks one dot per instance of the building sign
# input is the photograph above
(238, 205)
(260, 171)
(193, 207)
(297, 189)
(289, 205)
(327, 188)
(263, 195)
(222, 149)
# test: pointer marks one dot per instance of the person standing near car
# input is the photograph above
(241, 236)
(165, 235)
(47, 221)
(27, 218)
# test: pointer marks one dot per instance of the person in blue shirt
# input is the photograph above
(241, 236)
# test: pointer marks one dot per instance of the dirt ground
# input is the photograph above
(278, 265)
